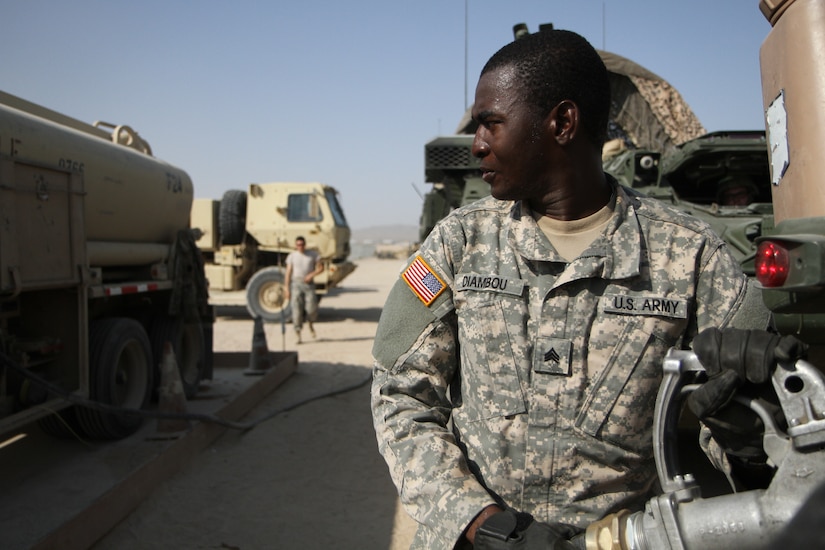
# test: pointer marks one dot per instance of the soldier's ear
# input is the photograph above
(563, 121)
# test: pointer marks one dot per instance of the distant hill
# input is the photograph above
(386, 233)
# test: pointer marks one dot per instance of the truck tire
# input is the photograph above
(232, 217)
(189, 345)
(120, 374)
(62, 424)
(265, 296)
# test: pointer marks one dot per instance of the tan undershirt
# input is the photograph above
(571, 238)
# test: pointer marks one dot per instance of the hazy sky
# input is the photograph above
(346, 93)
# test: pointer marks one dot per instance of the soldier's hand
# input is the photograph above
(739, 360)
(733, 357)
(519, 531)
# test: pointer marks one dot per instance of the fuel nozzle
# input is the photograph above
(608, 533)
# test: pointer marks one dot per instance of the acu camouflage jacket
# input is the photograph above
(504, 374)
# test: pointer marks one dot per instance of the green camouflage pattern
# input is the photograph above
(540, 397)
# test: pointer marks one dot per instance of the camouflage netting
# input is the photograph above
(646, 111)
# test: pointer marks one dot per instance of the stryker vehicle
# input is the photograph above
(695, 177)
(246, 237)
(98, 272)
(656, 145)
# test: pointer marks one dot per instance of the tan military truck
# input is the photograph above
(98, 271)
(246, 236)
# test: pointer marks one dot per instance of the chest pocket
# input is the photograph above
(618, 406)
(490, 384)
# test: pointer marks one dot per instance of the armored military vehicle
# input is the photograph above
(98, 272)
(246, 236)
(720, 177)
(656, 145)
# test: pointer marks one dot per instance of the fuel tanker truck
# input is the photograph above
(99, 273)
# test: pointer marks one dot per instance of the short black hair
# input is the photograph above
(554, 65)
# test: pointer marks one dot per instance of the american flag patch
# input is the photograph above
(426, 284)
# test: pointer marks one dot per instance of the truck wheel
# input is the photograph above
(232, 217)
(265, 296)
(120, 374)
(188, 343)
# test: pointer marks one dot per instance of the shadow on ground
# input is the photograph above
(307, 476)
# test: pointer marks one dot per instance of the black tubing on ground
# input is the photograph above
(232, 217)
(120, 374)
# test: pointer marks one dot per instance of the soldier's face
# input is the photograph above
(512, 140)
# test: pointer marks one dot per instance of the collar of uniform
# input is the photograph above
(620, 258)
(526, 237)
(624, 254)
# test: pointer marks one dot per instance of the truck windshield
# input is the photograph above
(303, 207)
(337, 212)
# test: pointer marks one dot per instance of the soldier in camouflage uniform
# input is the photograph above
(518, 357)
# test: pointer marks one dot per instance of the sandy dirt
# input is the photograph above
(309, 477)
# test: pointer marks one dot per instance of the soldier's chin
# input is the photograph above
(502, 194)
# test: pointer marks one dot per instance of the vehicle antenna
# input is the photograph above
(466, 48)
(604, 27)
(417, 192)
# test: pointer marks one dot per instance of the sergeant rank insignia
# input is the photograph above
(423, 281)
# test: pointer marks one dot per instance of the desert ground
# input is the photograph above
(310, 476)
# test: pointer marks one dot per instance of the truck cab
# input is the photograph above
(247, 235)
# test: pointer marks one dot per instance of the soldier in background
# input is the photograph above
(302, 266)
(518, 357)
(736, 191)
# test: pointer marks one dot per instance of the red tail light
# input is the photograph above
(772, 264)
